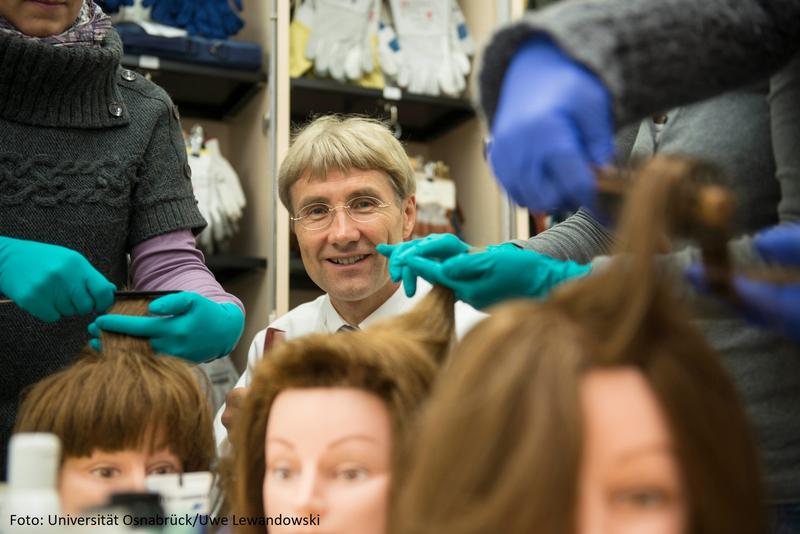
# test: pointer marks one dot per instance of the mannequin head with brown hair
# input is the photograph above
(599, 410)
(325, 417)
(121, 414)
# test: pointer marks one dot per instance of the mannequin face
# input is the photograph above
(328, 452)
(89, 481)
(630, 480)
(40, 18)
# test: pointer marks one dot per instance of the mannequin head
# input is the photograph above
(338, 465)
(41, 18)
(121, 415)
(326, 417)
(600, 410)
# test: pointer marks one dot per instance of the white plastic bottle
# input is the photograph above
(31, 496)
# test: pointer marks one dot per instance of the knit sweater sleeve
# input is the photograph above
(655, 54)
(579, 238)
(163, 200)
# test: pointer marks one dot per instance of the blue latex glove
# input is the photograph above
(214, 19)
(171, 12)
(772, 305)
(434, 246)
(51, 282)
(500, 273)
(186, 324)
(552, 125)
(112, 6)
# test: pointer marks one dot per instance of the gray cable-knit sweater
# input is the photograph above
(653, 55)
(91, 158)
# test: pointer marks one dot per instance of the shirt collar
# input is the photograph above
(394, 305)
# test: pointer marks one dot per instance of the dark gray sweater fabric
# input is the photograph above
(91, 158)
(654, 55)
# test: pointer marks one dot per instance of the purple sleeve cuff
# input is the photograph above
(173, 262)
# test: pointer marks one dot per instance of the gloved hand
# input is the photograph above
(51, 282)
(186, 324)
(771, 305)
(501, 272)
(552, 125)
(434, 246)
(339, 38)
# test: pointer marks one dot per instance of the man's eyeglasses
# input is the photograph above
(318, 216)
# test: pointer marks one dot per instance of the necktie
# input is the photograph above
(347, 328)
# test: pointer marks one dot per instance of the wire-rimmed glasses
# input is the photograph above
(319, 215)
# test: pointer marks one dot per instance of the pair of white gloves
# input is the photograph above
(428, 55)
(219, 194)
(340, 39)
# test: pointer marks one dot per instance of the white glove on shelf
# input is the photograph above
(388, 45)
(432, 60)
(219, 194)
(339, 43)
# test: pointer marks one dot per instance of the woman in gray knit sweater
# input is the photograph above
(92, 169)
(605, 64)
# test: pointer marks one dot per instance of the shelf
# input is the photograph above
(298, 277)
(226, 266)
(422, 117)
(200, 91)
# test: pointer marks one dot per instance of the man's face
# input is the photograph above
(40, 18)
(328, 254)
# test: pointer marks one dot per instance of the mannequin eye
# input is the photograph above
(280, 472)
(105, 472)
(642, 499)
(352, 474)
(162, 469)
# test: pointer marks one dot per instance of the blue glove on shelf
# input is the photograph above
(51, 282)
(213, 19)
(771, 305)
(552, 125)
(433, 246)
(500, 273)
(186, 324)
(112, 6)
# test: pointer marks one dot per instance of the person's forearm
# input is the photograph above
(173, 262)
(653, 55)
(579, 238)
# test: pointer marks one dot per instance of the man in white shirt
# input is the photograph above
(349, 186)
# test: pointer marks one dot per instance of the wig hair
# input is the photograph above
(396, 360)
(124, 397)
(500, 443)
(335, 143)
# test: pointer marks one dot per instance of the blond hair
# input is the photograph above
(343, 143)
(396, 360)
(114, 399)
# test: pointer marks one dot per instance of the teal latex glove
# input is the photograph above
(184, 324)
(434, 246)
(51, 282)
(501, 272)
